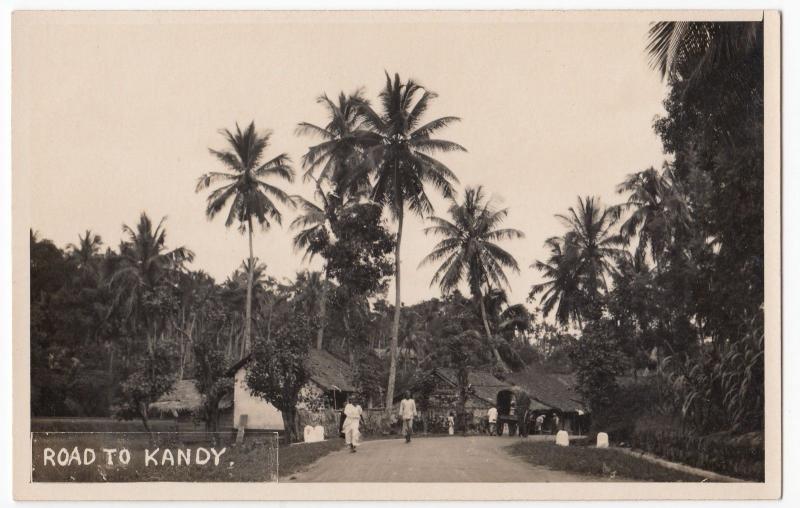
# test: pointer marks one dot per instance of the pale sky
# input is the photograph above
(116, 117)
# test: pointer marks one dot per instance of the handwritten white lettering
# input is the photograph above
(109, 455)
(198, 460)
(49, 455)
(217, 455)
(63, 457)
(185, 456)
(148, 457)
(167, 456)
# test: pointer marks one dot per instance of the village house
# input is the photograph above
(320, 399)
(183, 402)
(437, 396)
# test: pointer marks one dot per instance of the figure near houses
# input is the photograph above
(408, 411)
(352, 413)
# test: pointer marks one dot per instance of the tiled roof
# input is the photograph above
(329, 371)
(484, 384)
(554, 390)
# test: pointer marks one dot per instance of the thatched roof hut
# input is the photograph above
(183, 398)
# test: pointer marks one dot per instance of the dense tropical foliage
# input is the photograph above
(654, 302)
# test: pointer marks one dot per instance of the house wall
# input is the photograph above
(261, 415)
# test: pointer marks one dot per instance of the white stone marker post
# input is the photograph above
(562, 438)
(602, 440)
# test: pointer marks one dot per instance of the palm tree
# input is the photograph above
(658, 209)
(87, 248)
(470, 251)
(142, 265)
(597, 246)
(251, 197)
(398, 151)
(580, 261)
(335, 159)
(562, 289)
(338, 155)
(690, 49)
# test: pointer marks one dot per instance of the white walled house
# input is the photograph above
(328, 387)
(261, 414)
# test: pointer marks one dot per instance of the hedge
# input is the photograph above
(738, 456)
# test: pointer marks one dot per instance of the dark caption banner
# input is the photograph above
(151, 457)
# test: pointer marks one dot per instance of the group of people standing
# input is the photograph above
(352, 418)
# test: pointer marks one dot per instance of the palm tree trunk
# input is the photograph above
(488, 330)
(249, 303)
(396, 323)
(322, 303)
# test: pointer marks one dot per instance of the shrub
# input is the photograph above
(739, 456)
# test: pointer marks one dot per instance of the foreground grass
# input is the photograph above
(600, 462)
(294, 458)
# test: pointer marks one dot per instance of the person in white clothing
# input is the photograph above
(408, 410)
(492, 415)
(352, 413)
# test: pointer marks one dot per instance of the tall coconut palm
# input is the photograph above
(561, 289)
(336, 157)
(580, 262)
(470, 251)
(251, 197)
(591, 228)
(398, 151)
(658, 210)
(142, 265)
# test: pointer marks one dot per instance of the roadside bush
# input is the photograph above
(739, 456)
(630, 403)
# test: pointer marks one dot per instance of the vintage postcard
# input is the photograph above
(396, 255)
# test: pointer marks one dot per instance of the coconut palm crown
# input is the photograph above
(470, 251)
(245, 187)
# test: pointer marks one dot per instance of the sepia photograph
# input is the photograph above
(502, 251)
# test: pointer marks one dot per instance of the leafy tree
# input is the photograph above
(152, 376)
(470, 250)
(279, 370)
(245, 186)
(598, 360)
(210, 373)
(462, 353)
(398, 151)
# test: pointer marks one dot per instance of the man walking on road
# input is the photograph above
(408, 410)
(352, 412)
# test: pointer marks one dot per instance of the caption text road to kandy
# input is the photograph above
(66, 457)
